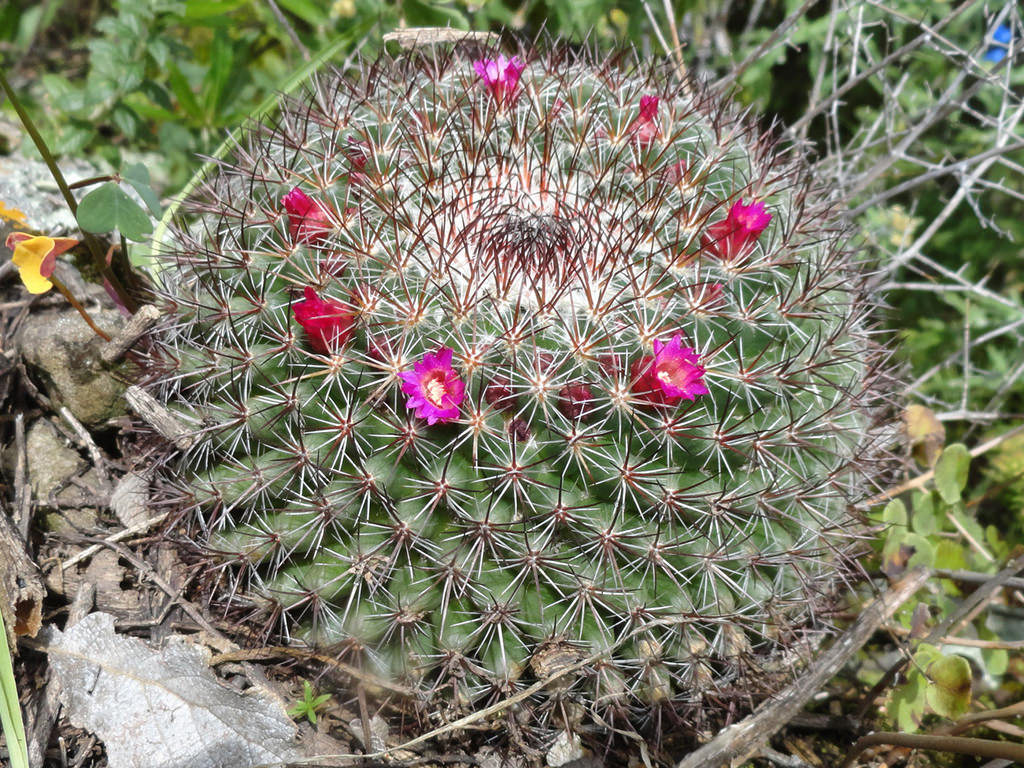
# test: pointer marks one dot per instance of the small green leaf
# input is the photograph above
(895, 513)
(108, 207)
(951, 472)
(949, 691)
(924, 521)
(949, 555)
(137, 175)
(907, 704)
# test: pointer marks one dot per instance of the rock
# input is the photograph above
(27, 187)
(65, 351)
(51, 460)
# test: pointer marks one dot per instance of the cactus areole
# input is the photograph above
(495, 356)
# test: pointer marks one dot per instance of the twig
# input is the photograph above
(136, 327)
(154, 413)
(283, 21)
(148, 571)
(957, 744)
(21, 585)
(759, 52)
(98, 461)
(127, 533)
(974, 602)
(253, 654)
(975, 577)
(923, 478)
(22, 490)
(738, 742)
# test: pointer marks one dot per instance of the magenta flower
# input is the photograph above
(309, 220)
(327, 323)
(434, 388)
(645, 125)
(730, 237)
(671, 375)
(500, 76)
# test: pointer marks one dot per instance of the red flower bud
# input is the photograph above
(573, 399)
(309, 220)
(328, 324)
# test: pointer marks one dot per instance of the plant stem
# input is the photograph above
(90, 240)
(81, 310)
(90, 181)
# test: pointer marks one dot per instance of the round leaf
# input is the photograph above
(108, 207)
(951, 472)
(949, 692)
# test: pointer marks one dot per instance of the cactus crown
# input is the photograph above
(498, 359)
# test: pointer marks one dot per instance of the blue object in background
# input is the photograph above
(1001, 37)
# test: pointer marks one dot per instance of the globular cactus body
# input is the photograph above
(499, 360)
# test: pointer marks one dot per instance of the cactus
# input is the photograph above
(507, 361)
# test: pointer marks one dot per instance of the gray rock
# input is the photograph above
(28, 186)
(61, 348)
(51, 460)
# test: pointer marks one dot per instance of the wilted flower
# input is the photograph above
(434, 388)
(672, 374)
(327, 323)
(730, 237)
(309, 220)
(501, 76)
(35, 256)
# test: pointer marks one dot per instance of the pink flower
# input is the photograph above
(500, 76)
(434, 388)
(670, 375)
(730, 237)
(328, 324)
(645, 125)
(309, 220)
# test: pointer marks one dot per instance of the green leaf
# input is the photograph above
(196, 10)
(924, 514)
(219, 74)
(951, 472)
(308, 11)
(895, 513)
(949, 555)
(907, 704)
(421, 14)
(10, 708)
(949, 690)
(137, 175)
(182, 89)
(108, 207)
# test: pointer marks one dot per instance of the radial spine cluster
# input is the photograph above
(494, 356)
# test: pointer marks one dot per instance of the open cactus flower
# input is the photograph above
(554, 392)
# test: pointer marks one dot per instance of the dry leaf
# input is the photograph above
(162, 709)
(925, 433)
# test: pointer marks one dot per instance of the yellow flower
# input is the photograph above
(35, 256)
